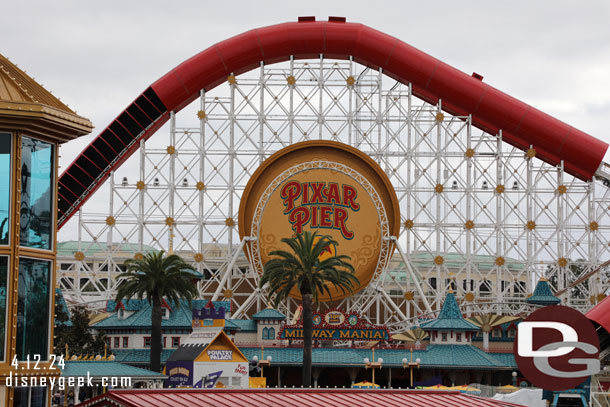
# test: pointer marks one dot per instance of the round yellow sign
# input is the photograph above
(327, 187)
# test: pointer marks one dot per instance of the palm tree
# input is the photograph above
(156, 278)
(312, 275)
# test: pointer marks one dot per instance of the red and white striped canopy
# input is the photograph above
(289, 398)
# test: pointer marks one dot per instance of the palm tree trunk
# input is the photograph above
(307, 334)
(155, 337)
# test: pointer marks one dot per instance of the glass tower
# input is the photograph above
(32, 125)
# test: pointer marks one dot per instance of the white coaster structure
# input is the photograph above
(478, 216)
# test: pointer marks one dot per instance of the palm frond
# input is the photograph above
(157, 276)
(301, 269)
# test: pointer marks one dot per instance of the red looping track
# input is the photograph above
(431, 79)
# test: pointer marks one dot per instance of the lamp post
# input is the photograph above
(373, 365)
(263, 363)
(514, 378)
(410, 364)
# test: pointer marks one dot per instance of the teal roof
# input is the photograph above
(543, 295)
(139, 356)
(231, 326)
(70, 247)
(106, 368)
(452, 261)
(179, 317)
(269, 313)
(458, 356)
(245, 325)
(507, 359)
(130, 305)
(135, 304)
(423, 259)
(450, 317)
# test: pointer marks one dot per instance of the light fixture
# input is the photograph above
(411, 365)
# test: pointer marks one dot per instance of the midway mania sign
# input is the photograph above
(336, 325)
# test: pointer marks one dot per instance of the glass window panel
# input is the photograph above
(38, 397)
(21, 397)
(33, 308)
(30, 397)
(5, 186)
(3, 278)
(37, 183)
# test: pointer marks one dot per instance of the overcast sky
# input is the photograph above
(98, 56)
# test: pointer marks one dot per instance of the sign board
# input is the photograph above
(328, 187)
(180, 374)
(334, 318)
(207, 374)
(337, 325)
(220, 354)
(338, 334)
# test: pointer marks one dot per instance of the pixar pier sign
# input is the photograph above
(326, 187)
(320, 205)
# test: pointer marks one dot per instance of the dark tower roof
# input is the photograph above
(543, 294)
(450, 318)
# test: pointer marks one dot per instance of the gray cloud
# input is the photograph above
(98, 56)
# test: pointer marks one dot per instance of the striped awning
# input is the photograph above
(289, 398)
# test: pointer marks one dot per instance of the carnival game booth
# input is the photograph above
(126, 326)
(208, 358)
(207, 361)
(442, 350)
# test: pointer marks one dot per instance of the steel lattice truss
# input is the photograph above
(478, 216)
